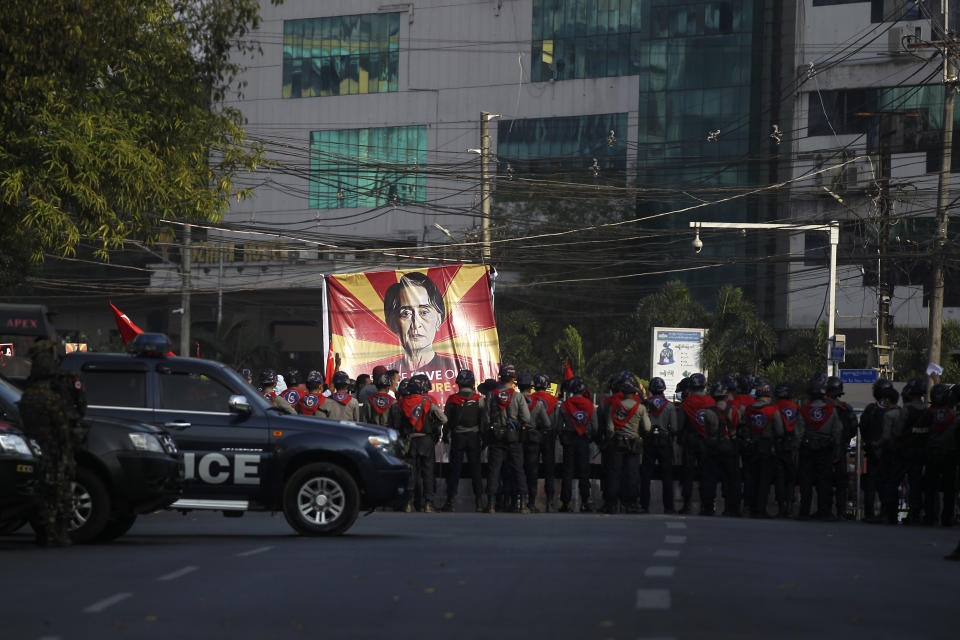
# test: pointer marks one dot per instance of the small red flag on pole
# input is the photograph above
(128, 330)
(567, 371)
(330, 365)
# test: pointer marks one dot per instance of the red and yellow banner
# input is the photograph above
(434, 321)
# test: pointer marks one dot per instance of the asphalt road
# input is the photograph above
(484, 576)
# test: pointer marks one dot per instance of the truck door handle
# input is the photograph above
(178, 425)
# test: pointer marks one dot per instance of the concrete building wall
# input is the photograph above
(871, 55)
(456, 60)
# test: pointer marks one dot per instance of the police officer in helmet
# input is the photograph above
(343, 406)
(658, 446)
(508, 416)
(466, 415)
(940, 476)
(787, 450)
(871, 430)
(268, 385)
(419, 421)
(765, 426)
(821, 438)
(696, 422)
(376, 410)
(848, 421)
(626, 422)
(578, 428)
(721, 451)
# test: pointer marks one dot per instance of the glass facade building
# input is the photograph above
(563, 145)
(586, 38)
(342, 55)
(367, 167)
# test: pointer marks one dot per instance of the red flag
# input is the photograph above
(567, 371)
(330, 365)
(127, 329)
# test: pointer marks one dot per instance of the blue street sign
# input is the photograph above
(837, 353)
(862, 376)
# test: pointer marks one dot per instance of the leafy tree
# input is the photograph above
(672, 306)
(234, 344)
(737, 338)
(519, 330)
(111, 117)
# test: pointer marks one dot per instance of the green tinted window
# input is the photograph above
(367, 167)
(342, 55)
(588, 148)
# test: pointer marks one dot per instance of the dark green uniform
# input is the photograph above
(52, 405)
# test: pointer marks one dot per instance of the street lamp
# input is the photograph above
(832, 229)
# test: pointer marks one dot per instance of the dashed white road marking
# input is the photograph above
(658, 572)
(653, 599)
(253, 552)
(675, 539)
(666, 553)
(106, 603)
(177, 574)
(676, 525)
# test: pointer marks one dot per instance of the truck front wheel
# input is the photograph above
(321, 499)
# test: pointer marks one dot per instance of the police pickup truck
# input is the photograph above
(242, 453)
(124, 468)
(18, 468)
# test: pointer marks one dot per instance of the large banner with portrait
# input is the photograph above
(434, 321)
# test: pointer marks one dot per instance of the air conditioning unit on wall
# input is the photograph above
(903, 35)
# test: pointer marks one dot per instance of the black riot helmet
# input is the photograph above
(955, 394)
(718, 390)
(524, 380)
(341, 379)
(541, 381)
(816, 388)
(783, 390)
(940, 395)
(382, 381)
(682, 387)
(466, 379)
(891, 395)
(764, 390)
(914, 388)
(880, 388)
(834, 387)
(628, 383)
(744, 385)
(657, 386)
(292, 377)
(576, 385)
(422, 384)
(268, 377)
(697, 382)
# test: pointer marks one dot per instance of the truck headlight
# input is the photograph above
(145, 442)
(14, 444)
(380, 442)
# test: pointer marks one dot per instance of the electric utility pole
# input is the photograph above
(943, 191)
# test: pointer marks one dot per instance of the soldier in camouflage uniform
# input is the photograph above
(52, 405)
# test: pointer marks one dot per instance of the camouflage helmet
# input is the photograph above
(657, 386)
(268, 377)
(466, 379)
(576, 385)
(541, 381)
